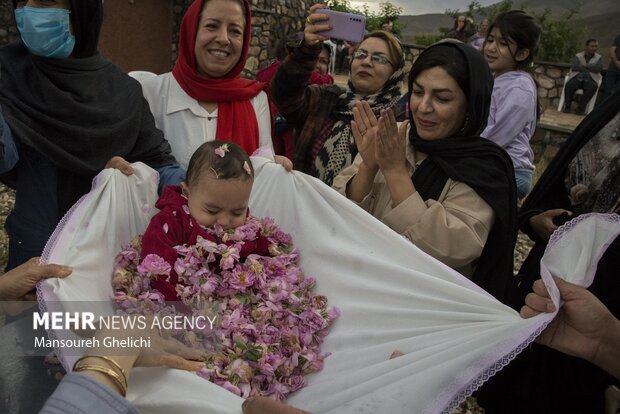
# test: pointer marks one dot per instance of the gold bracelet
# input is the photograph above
(110, 360)
(107, 371)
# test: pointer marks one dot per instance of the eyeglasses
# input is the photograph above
(375, 58)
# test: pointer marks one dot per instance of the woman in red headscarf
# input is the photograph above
(204, 98)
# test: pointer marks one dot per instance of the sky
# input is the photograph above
(415, 7)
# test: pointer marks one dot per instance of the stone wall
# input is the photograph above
(274, 20)
(550, 78)
(8, 33)
(548, 75)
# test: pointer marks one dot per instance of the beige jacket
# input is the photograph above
(452, 229)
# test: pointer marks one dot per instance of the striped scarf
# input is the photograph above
(339, 148)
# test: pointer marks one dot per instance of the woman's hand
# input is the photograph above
(264, 405)
(283, 161)
(581, 323)
(162, 352)
(364, 128)
(543, 225)
(166, 351)
(120, 164)
(391, 144)
(17, 283)
(612, 400)
(315, 23)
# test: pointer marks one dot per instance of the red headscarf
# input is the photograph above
(236, 117)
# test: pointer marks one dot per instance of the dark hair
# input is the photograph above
(456, 21)
(444, 56)
(231, 165)
(394, 46)
(522, 29)
(590, 40)
(327, 48)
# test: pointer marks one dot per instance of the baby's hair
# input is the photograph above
(222, 159)
(522, 29)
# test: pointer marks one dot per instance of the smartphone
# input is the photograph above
(345, 26)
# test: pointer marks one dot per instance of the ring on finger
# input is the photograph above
(309, 21)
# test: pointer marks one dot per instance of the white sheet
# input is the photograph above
(391, 295)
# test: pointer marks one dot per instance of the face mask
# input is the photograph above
(45, 31)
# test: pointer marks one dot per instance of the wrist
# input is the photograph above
(3, 295)
(607, 356)
(395, 171)
(367, 169)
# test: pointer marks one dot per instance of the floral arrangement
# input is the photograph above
(270, 325)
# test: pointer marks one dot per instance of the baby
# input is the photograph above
(216, 191)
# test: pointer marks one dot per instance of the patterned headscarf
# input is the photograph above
(339, 148)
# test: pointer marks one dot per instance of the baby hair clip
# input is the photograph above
(221, 150)
(246, 167)
(214, 171)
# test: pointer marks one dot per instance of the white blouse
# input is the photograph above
(186, 124)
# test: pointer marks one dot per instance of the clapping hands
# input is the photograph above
(381, 142)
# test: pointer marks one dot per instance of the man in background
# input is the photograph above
(612, 77)
(585, 73)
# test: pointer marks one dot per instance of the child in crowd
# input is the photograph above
(216, 191)
(510, 47)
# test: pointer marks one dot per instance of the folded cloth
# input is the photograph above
(391, 295)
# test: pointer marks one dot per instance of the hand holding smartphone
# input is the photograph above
(344, 26)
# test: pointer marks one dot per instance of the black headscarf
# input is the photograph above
(550, 189)
(86, 19)
(477, 162)
(79, 112)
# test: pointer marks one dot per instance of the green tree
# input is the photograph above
(427, 39)
(560, 36)
(492, 11)
(340, 5)
(387, 11)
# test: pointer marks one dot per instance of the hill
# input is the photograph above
(599, 17)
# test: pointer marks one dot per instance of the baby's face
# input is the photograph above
(224, 202)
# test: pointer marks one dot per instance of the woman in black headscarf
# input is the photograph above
(446, 189)
(72, 113)
(583, 177)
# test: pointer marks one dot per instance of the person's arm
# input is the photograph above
(265, 405)
(612, 53)
(164, 232)
(364, 129)
(343, 180)
(576, 65)
(542, 223)
(453, 231)
(8, 150)
(79, 393)
(88, 390)
(510, 114)
(595, 67)
(21, 280)
(169, 175)
(290, 89)
(583, 327)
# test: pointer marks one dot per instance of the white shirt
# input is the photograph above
(186, 124)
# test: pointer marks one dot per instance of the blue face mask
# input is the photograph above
(45, 31)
